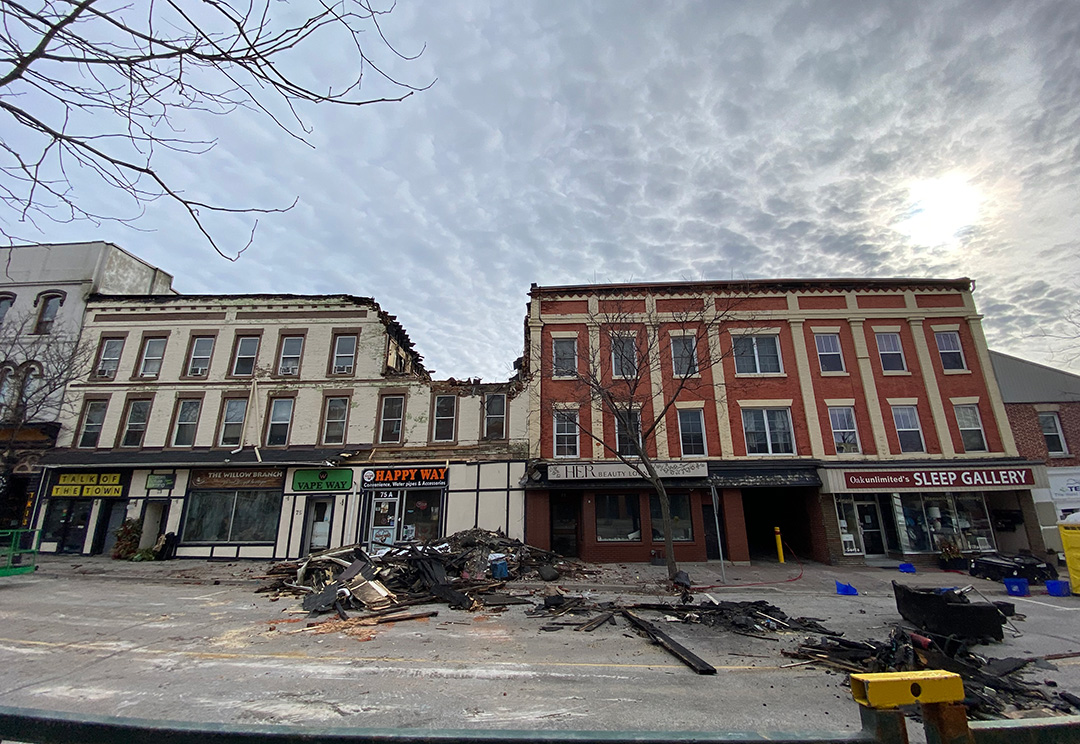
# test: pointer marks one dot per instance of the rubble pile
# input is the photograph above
(746, 618)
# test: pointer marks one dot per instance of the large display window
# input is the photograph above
(937, 521)
(682, 528)
(618, 517)
(232, 516)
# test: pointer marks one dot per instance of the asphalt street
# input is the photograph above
(147, 645)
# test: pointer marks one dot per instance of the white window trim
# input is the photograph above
(1064, 451)
(555, 432)
(326, 420)
(271, 423)
(697, 366)
(768, 432)
(195, 424)
(903, 357)
(704, 436)
(757, 363)
(897, 429)
(435, 419)
(855, 422)
(382, 419)
(555, 372)
(959, 350)
(839, 352)
(144, 356)
(982, 430)
(632, 337)
(618, 442)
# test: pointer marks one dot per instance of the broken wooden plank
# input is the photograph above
(596, 622)
(675, 648)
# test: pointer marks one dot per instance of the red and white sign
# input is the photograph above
(939, 480)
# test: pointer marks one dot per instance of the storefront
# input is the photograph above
(403, 504)
(82, 510)
(1065, 490)
(320, 511)
(931, 511)
(232, 513)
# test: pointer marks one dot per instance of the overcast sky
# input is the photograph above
(576, 142)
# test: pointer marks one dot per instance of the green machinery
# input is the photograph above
(18, 551)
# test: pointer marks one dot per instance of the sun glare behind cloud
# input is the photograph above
(939, 209)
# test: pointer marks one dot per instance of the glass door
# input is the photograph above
(873, 539)
(384, 522)
(318, 525)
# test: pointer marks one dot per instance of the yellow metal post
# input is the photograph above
(779, 545)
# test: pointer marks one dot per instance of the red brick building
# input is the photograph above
(859, 416)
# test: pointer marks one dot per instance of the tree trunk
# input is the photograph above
(665, 515)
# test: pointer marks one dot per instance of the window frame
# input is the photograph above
(127, 427)
(219, 439)
(564, 372)
(768, 429)
(235, 359)
(567, 415)
(279, 365)
(189, 359)
(174, 428)
(436, 419)
(618, 338)
(958, 351)
(43, 325)
(100, 358)
(333, 367)
(622, 433)
(84, 417)
(381, 424)
(488, 417)
(899, 351)
(7, 301)
(700, 416)
(822, 353)
(754, 339)
(969, 407)
(918, 429)
(144, 358)
(838, 433)
(1055, 417)
(272, 411)
(693, 369)
(326, 420)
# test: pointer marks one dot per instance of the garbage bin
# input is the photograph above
(1070, 540)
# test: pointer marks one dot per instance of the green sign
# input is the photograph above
(160, 481)
(334, 479)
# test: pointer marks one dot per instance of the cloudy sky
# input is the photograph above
(617, 141)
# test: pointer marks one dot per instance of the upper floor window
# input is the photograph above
(138, 414)
(684, 355)
(6, 301)
(628, 433)
(830, 358)
(393, 413)
(49, 305)
(334, 420)
(623, 355)
(232, 422)
(495, 416)
(566, 433)
(970, 425)
(564, 356)
(187, 419)
(757, 355)
(247, 349)
(908, 431)
(768, 431)
(108, 358)
(1050, 423)
(289, 360)
(150, 360)
(692, 432)
(199, 359)
(92, 420)
(277, 430)
(344, 354)
(445, 410)
(891, 352)
(948, 344)
(845, 434)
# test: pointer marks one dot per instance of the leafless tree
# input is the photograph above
(644, 362)
(94, 86)
(35, 370)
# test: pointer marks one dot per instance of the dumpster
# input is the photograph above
(18, 551)
(1070, 540)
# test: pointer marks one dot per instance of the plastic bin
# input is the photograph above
(1016, 587)
(1070, 540)
(500, 570)
(1057, 588)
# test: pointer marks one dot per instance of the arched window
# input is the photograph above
(6, 301)
(48, 304)
(8, 385)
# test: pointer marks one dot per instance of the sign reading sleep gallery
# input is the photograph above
(333, 479)
(617, 470)
(884, 480)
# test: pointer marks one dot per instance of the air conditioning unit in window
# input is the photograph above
(105, 372)
(198, 371)
(847, 448)
(289, 369)
(342, 369)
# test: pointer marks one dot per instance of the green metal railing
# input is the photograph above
(18, 551)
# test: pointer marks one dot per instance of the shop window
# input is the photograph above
(830, 358)
(495, 416)
(289, 359)
(48, 306)
(232, 422)
(187, 419)
(845, 434)
(890, 352)
(957, 521)
(564, 357)
(247, 349)
(948, 344)
(768, 431)
(692, 432)
(334, 420)
(970, 425)
(682, 529)
(138, 413)
(848, 520)
(906, 420)
(623, 355)
(1050, 424)
(277, 430)
(757, 355)
(445, 416)
(153, 352)
(392, 414)
(92, 420)
(344, 354)
(915, 532)
(684, 356)
(108, 360)
(566, 433)
(199, 359)
(232, 516)
(422, 514)
(628, 433)
(6, 301)
(618, 518)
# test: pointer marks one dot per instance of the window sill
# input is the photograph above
(761, 374)
(841, 373)
(1061, 455)
(956, 371)
(896, 372)
(563, 377)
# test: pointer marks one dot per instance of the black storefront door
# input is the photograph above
(67, 522)
(565, 508)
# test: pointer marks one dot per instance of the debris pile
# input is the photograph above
(949, 613)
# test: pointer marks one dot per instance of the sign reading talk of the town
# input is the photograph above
(612, 470)
(267, 478)
(333, 479)
(88, 485)
(407, 477)
(940, 479)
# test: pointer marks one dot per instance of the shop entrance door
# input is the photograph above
(317, 528)
(873, 539)
(384, 523)
(565, 508)
(66, 522)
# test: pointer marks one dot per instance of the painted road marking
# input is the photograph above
(1045, 604)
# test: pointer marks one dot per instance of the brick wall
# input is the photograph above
(1024, 421)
